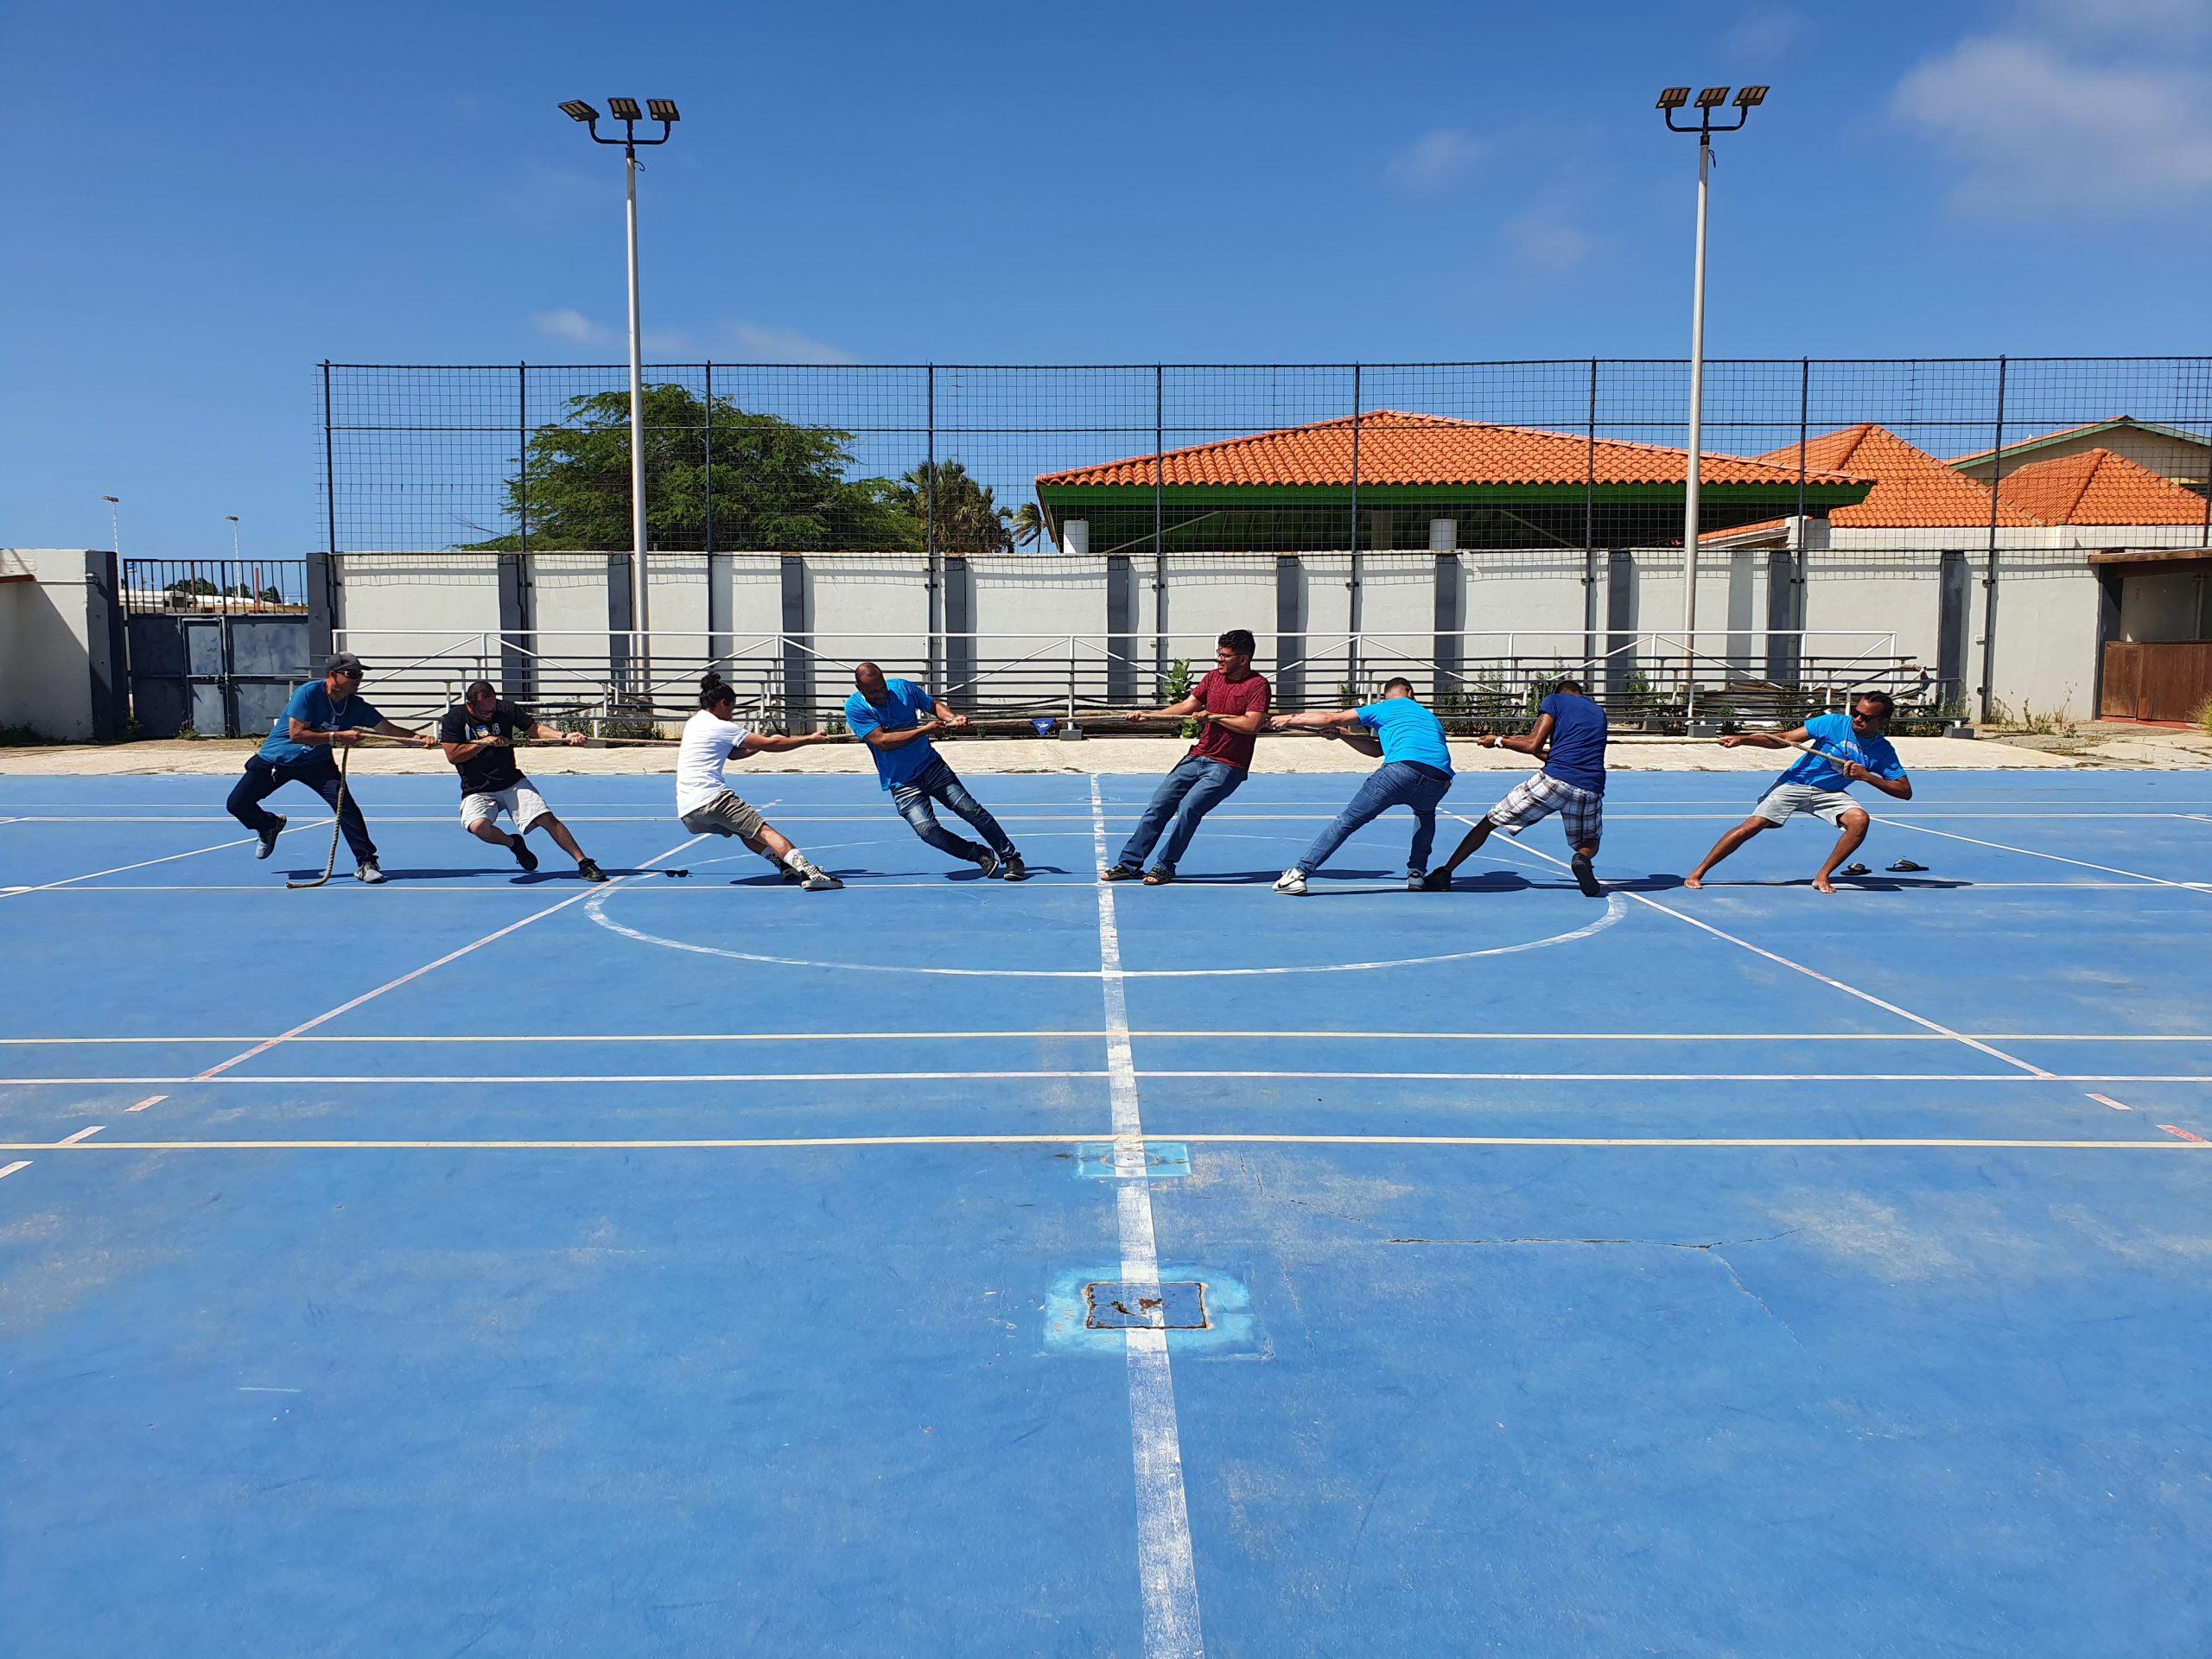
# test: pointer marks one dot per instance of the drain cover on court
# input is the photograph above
(1113, 1304)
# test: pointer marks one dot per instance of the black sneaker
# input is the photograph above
(1435, 881)
(1015, 870)
(1158, 876)
(988, 864)
(589, 870)
(267, 842)
(369, 872)
(1586, 878)
(523, 856)
(1119, 873)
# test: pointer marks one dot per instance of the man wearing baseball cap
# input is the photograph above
(322, 714)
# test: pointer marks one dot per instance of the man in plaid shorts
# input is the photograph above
(1569, 737)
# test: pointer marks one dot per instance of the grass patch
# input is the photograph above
(22, 737)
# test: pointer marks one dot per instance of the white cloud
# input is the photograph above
(1436, 161)
(571, 325)
(771, 344)
(1542, 242)
(2098, 104)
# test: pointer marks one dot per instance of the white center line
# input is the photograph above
(1166, 1575)
(20, 1163)
(151, 1100)
(94, 875)
(2106, 1100)
(85, 1133)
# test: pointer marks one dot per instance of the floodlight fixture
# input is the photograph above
(1711, 98)
(663, 110)
(625, 108)
(577, 110)
(1673, 97)
(1750, 97)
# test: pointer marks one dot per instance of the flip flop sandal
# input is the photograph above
(1855, 869)
(1904, 866)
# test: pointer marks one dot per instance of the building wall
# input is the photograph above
(58, 662)
(2171, 458)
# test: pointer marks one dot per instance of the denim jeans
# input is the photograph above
(320, 773)
(1395, 783)
(941, 784)
(1185, 795)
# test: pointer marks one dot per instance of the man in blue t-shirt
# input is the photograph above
(322, 714)
(896, 719)
(1415, 773)
(1845, 749)
(1569, 737)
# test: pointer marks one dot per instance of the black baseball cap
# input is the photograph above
(346, 661)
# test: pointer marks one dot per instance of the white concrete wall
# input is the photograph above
(53, 639)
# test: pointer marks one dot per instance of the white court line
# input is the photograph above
(863, 882)
(151, 1100)
(811, 1143)
(2106, 1100)
(82, 1134)
(1921, 1020)
(1166, 1574)
(532, 1079)
(1216, 1034)
(2059, 858)
(94, 875)
(20, 1163)
(264, 1045)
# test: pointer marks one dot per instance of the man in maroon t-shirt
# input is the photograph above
(1231, 705)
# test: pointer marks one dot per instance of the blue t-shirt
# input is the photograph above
(1408, 732)
(906, 707)
(312, 706)
(1834, 734)
(1578, 747)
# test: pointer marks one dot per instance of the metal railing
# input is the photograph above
(216, 585)
(800, 682)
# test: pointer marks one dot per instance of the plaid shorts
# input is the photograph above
(1582, 812)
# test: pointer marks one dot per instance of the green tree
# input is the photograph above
(775, 486)
(1028, 523)
(968, 520)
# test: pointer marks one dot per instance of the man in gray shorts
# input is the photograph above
(479, 733)
(1844, 749)
(708, 806)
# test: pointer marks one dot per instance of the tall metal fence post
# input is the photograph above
(1989, 575)
(706, 469)
(1159, 531)
(1355, 612)
(325, 614)
(929, 511)
(517, 666)
(1590, 527)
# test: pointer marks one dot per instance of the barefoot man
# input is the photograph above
(1845, 749)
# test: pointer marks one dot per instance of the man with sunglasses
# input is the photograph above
(323, 714)
(1847, 749)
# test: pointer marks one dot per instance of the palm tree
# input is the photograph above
(968, 520)
(1028, 523)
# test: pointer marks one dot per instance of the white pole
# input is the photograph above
(1697, 422)
(233, 517)
(114, 522)
(638, 620)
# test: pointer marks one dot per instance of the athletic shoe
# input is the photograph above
(1586, 878)
(1435, 881)
(988, 864)
(1291, 882)
(818, 879)
(1158, 876)
(589, 870)
(785, 873)
(1416, 884)
(1119, 873)
(1015, 870)
(369, 872)
(268, 843)
(523, 856)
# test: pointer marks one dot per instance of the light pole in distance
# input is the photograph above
(114, 521)
(625, 111)
(1670, 99)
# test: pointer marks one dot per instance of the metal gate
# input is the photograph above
(215, 646)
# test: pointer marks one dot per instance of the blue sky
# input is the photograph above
(205, 202)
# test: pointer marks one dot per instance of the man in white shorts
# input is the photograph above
(1847, 749)
(479, 733)
(1569, 738)
(708, 806)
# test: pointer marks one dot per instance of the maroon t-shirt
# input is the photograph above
(1217, 695)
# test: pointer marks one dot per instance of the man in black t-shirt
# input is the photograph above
(479, 733)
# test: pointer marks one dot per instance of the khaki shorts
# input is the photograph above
(522, 803)
(1784, 801)
(726, 815)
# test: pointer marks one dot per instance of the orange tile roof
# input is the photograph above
(2099, 487)
(1401, 449)
(1912, 489)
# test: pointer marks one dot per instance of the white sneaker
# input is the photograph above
(369, 872)
(1291, 881)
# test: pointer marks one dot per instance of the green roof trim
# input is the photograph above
(2075, 434)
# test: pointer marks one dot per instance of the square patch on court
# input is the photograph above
(1153, 1160)
(1117, 1305)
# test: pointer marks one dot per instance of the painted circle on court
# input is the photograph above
(597, 908)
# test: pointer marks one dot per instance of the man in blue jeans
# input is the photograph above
(1415, 773)
(896, 719)
(1230, 704)
(322, 714)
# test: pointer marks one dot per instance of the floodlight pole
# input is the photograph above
(640, 619)
(115, 522)
(1707, 103)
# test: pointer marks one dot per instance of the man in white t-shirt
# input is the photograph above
(708, 806)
